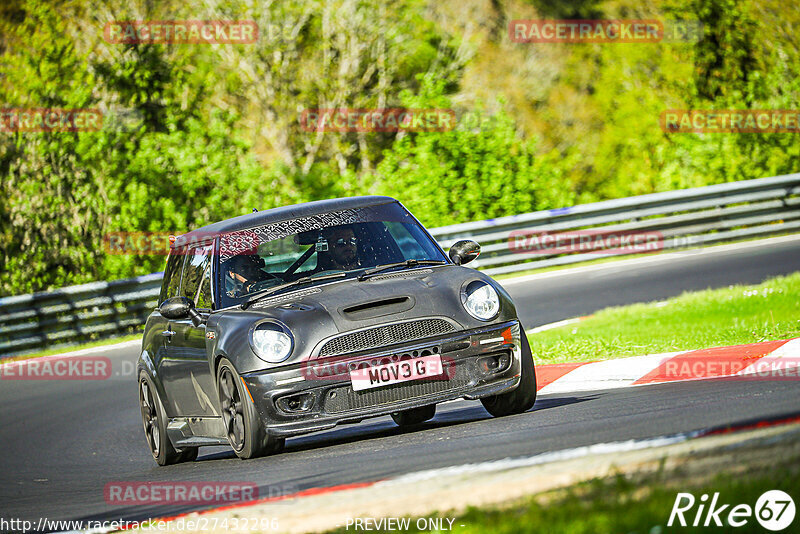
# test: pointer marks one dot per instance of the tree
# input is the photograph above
(469, 173)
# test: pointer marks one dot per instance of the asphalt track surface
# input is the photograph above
(63, 441)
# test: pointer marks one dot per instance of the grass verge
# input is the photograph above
(641, 501)
(623, 504)
(732, 316)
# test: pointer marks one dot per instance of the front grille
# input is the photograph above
(385, 335)
(343, 399)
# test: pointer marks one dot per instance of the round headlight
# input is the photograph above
(480, 300)
(272, 342)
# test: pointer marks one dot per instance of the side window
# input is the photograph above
(196, 284)
(172, 275)
(204, 300)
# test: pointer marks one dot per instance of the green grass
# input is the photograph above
(732, 316)
(629, 503)
(621, 505)
(72, 348)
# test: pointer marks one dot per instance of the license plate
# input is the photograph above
(395, 372)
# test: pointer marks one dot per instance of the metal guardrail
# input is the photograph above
(682, 218)
(76, 314)
(688, 217)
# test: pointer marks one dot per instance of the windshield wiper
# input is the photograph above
(298, 282)
(406, 264)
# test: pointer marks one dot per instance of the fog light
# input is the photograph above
(503, 362)
(302, 402)
(494, 364)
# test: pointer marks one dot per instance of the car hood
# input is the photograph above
(314, 314)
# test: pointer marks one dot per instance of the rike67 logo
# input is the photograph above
(774, 510)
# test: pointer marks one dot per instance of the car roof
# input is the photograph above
(283, 213)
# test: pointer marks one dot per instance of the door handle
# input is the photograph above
(168, 333)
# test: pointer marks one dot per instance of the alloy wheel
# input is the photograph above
(149, 417)
(232, 409)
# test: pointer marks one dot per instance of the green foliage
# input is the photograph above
(726, 57)
(735, 68)
(468, 173)
(607, 101)
(169, 169)
(568, 9)
(179, 180)
(48, 194)
(197, 133)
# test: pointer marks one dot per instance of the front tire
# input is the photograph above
(246, 433)
(414, 416)
(154, 421)
(521, 399)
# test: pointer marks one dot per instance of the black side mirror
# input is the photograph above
(180, 308)
(464, 251)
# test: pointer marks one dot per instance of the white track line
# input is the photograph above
(557, 324)
(547, 457)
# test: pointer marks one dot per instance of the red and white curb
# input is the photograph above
(767, 360)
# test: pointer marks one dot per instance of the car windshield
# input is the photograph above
(349, 241)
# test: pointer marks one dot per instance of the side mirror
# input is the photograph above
(464, 251)
(180, 308)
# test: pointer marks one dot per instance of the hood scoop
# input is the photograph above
(377, 308)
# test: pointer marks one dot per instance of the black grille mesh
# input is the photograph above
(386, 335)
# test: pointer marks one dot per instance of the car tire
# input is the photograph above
(246, 432)
(523, 397)
(154, 419)
(414, 416)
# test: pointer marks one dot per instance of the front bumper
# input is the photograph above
(318, 395)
